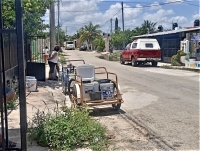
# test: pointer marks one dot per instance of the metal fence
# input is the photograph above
(35, 48)
(12, 74)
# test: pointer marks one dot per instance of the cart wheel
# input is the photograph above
(74, 98)
(70, 87)
(64, 89)
(116, 107)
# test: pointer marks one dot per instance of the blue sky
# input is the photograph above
(77, 13)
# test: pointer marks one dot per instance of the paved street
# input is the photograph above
(164, 102)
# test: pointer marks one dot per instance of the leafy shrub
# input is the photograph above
(62, 59)
(114, 56)
(67, 130)
(175, 60)
(100, 44)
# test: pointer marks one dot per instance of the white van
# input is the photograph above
(69, 45)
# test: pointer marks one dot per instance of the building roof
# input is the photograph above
(167, 32)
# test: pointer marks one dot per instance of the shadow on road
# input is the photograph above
(97, 111)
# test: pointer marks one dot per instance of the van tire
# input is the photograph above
(154, 63)
(121, 60)
(133, 62)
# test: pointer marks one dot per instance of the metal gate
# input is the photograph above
(35, 56)
(12, 74)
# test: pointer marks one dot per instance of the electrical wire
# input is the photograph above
(111, 18)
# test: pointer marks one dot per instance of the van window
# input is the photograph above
(148, 45)
(134, 45)
(70, 42)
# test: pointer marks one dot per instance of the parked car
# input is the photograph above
(69, 45)
(83, 48)
(141, 51)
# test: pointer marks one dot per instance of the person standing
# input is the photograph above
(45, 54)
(52, 61)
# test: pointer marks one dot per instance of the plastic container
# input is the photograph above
(198, 64)
(32, 85)
(107, 90)
(96, 86)
(192, 64)
(187, 64)
(88, 87)
(95, 95)
(27, 78)
(86, 71)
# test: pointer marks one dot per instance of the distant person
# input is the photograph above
(198, 52)
(45, 54)
(9, 96)
(53, 60)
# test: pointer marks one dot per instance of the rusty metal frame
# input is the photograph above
(115, 100)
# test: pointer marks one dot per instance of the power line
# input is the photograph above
(111, 17)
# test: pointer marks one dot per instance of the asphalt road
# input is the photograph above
(165, 102)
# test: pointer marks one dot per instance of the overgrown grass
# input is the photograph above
(114, 56)
(67, 130)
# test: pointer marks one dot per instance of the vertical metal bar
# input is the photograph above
(9, 40)
(2, 82)
(123, 23)
(22, 93)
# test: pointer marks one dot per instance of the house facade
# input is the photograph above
(170, 41)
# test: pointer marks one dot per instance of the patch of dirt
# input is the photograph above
(123, 133)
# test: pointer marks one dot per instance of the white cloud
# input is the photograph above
(196, 16)
(163, 17)
(173, 1)
(75, 15)
(155, 5)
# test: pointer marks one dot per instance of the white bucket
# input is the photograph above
(27, 78)
(187, 64)
(32, 85)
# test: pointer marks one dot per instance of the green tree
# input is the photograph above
(89, 33)
(149, 25)
(116, 25)
(99, 44)
(33, 11)
(62, 36)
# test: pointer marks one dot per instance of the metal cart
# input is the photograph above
(68, 74)
(88, 90)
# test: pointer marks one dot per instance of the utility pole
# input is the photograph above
(52, 26)
(123, 23)
(58, 23)
(111, 26)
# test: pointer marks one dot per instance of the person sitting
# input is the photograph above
(9, 96)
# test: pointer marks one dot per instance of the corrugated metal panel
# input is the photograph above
(167, 32)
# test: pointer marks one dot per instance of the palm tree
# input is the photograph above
(89, 33)
(149, 25)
